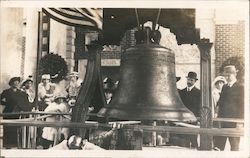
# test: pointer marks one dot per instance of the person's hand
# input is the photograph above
(58, 110)
(91, 108)
(3, 100)
(75, 142)
(215, 115)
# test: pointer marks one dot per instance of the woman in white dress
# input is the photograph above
(46, 92)
(218, 83)
(50, 134)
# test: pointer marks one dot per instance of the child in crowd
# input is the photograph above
(50, 134)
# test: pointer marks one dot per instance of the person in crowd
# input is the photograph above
(73, 87)
(191, 98)
(76, 143)
(27, 87)
(13, 100)
(231, 105)
(109, 87)
(177, 79)
(46, 92)
(50, 134)
(217, 84)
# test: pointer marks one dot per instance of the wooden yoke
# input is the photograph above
(88, 89)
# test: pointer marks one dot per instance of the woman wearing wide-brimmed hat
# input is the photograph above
(217, 84)
(27, 87)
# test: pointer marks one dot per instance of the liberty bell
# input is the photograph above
(147, 88)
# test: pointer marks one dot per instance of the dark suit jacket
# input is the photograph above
(15, 101)
(191, 100)
(231, 102)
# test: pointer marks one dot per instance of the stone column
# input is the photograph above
(31, 42)
(70, 47)
(206, 96)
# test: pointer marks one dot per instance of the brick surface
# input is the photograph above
(229, 42)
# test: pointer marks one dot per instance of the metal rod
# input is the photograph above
(137, 19)
(24, 136)
(158, 16)
(235, 132)
(35, 134)
(54, 124)
(29, 135)
(41, 112)
(154, 135)
(156, 20)
(39, 53)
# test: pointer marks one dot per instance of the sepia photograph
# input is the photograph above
(124, 78)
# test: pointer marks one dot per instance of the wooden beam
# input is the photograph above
(228, 120)
(87, 91)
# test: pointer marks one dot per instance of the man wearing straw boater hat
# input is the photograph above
(191, 98)
(231, 105)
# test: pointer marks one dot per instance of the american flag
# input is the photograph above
(89, 18)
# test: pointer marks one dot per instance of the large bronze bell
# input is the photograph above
(147, 88)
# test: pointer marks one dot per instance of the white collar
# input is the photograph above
(216, 91)
(190, 88)
(230, 84)
(108, 101)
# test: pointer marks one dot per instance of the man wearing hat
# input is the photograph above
(191, 98)
(109, 87)
(13, 100)
(231, 105)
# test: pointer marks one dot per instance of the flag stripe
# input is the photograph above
(76, 17)
(69, 14)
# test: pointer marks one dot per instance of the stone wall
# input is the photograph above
(30, 35)
(70, 47)
(11, 44)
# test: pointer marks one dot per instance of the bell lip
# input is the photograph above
(120, 114)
